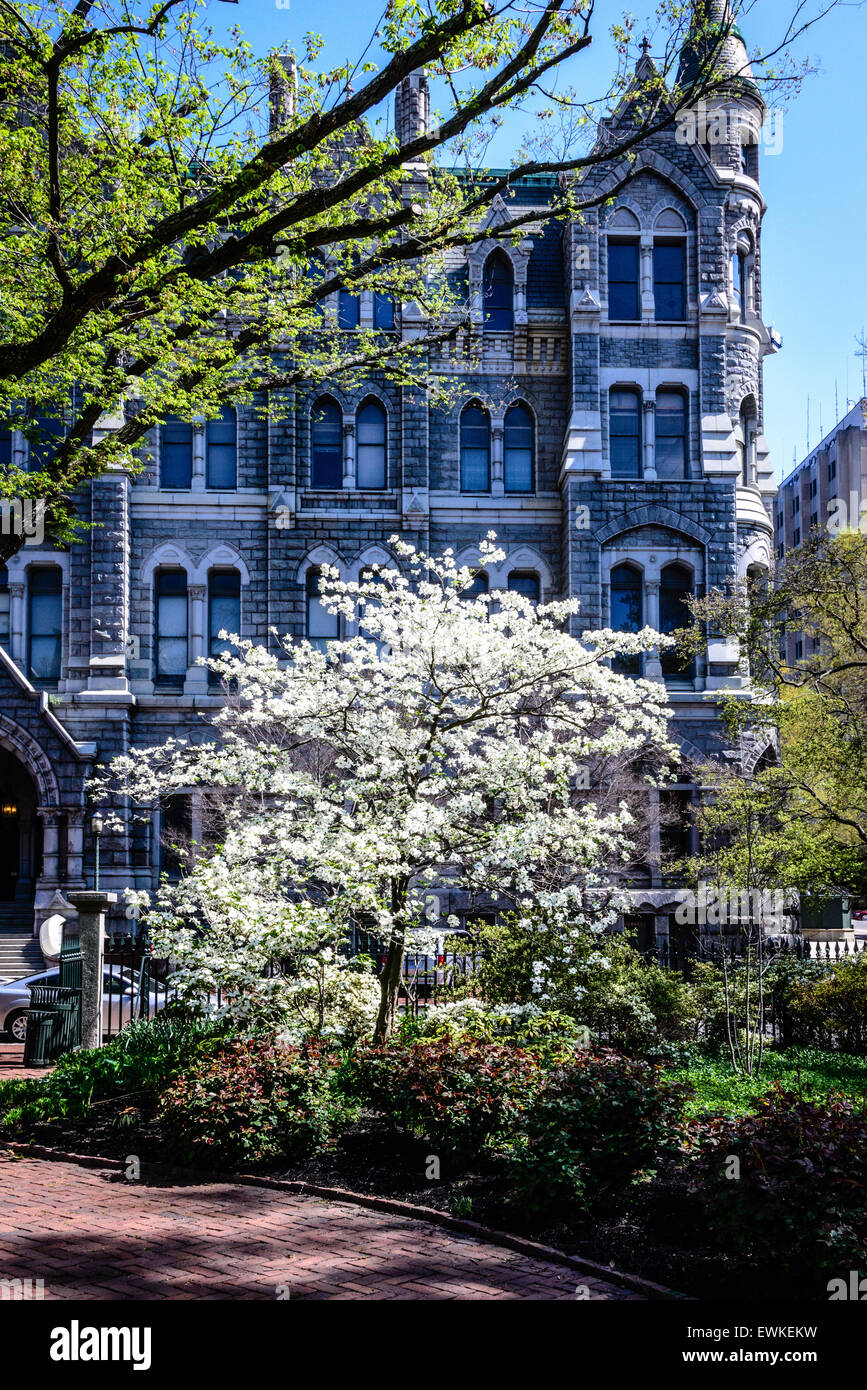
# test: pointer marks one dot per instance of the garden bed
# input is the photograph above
(657, 1234)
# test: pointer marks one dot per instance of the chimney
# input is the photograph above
(412, 107)
(283, 90)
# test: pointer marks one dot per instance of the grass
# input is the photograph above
(808, 1070)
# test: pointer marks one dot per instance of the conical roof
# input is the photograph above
(713, 34)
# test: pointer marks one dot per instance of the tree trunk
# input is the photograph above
(389, 986)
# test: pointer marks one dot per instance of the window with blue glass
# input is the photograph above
(518, 449)
(176, 453)
(46, 433)
(676, 586)
(670, 450)
(348, 309)
(526, 583)
(326, 428)
(371, 441)
(669, 281)
(625, 433)
(170, 654)
(623, 296)
(224, 614)
(627, 606)
(475, 448)
(5, 630)
(5, 448)
(322, 627)
(477, 588)
(498, 293)
(44, 624)
(383, 310)
(221, 446)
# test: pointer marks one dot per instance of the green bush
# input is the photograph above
(461, 1094)
(144, 1056)
(788, 1182)
(830, 1008)
(251, 1102)
(600, 1120)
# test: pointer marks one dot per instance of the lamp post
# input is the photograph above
(97, 825)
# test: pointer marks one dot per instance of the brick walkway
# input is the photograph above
(12, 1063)
(91, 1234)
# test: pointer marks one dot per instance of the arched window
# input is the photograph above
(327, 445)
(747, 443)
(625, 417)
(477, 588)
(626, 612)
(224, 614)
(669, 280)
(741, 263)
(383, 310)
(170, 646)
(222, 438)
(322, 627)
(4, 607)
(371, 445)
(498, 290)
(675, 587)
(518, 450)
(526, 583)
(176, 453)
(475, 449)
(44, 624)
(671, 435)
(348, 309)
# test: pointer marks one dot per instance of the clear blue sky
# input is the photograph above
(815, 232)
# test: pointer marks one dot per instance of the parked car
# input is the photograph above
(118, 1000)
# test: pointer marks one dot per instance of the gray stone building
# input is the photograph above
(608, 426)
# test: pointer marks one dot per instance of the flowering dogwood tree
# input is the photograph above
(444, 743)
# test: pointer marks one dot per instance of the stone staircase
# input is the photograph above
(19, 948)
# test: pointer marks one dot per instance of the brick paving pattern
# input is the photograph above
(12, 1063)
(91, 1234)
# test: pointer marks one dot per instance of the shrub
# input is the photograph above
(144, 1056)
(460, 1094)
(831, 1008)
(250, 1103)
(600, 1120)
(799, 1196)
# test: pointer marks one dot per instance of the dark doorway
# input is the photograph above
(20, 839)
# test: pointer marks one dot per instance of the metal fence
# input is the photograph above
(426, 979)
(681, 955)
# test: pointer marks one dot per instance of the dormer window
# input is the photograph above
(498, 293)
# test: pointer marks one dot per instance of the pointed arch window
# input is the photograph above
(5, 619)
(625, 418)
(372, 438)
(322, 627)
(627, 607)
(519, 449)
(326, 430)
(171, 656)
(475, 448)
(623, 290)
(176, 454)
(224, 614)
(498, 287)
(676, 586)
(670, 449)
(526, 583)
(669, 281)
(477, 588)
(222, 449)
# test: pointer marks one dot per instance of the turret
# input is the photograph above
(728, 122)
(412, 107)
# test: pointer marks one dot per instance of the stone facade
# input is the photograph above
(565, 356)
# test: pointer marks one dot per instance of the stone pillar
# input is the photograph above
(197, 676)
(498, 483)
(649, 438)
(16, 624)
(198, 481)
(648, 299)
(50, 818)
(349, 455)
(75, 848)
(92, 907)
(652, 664)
